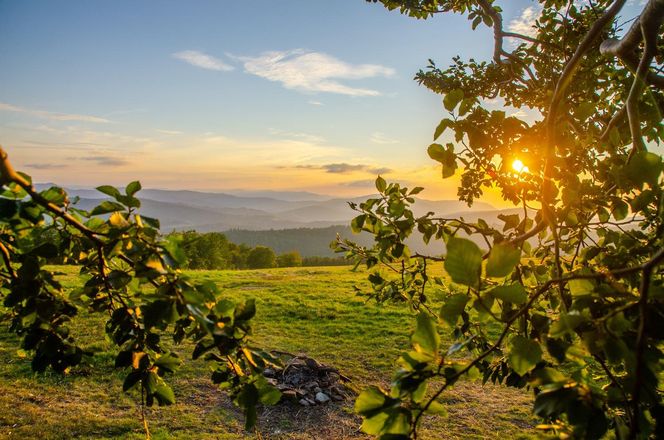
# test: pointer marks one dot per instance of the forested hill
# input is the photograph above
(309, 242)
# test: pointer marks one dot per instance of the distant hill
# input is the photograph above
(206, 211)
(311, 242)
(305, 222)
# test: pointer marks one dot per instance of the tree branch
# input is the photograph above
(646, 25)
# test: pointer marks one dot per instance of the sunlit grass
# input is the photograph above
(300, 310)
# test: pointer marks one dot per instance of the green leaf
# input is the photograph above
(437, 408)
(55, 195)
(357, 223)
(109, 190)
(453, 307)
(375, 424)
(131, 380)
(444, 155)
(514, 293)
(463, 261)
(585, 110)
(466, 105)
(452, 98)
(524, 354)
(245, 311)
(511, 221)
(106, 207)
(645, 167)
(164, 393)
(370, 399)
(133, 188)
(398, 424)
(168, 362)
(152, 222)
(566, 324)
(503, 258)
(581, 287)
(442, 126)
(269, 395)
(381, 185)
(173, 246)
(620, 210)
(425, 339)
(436, 152)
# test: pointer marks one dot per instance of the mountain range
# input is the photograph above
(207, 211)
(285, 221)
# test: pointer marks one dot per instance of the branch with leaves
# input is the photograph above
(132, 274)
(576, 289)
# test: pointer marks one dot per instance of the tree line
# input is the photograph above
(213, 250)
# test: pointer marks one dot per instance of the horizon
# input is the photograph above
(259, 193)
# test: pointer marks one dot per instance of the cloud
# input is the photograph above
(317, 103)
(169, 132)
(525, 22)
(383, 170)
(298, 136)
(108, 161)
(344, 168)
(359, 184)
(51, 115)
(45, 166)
(380, 138)
(313, 71)
(202, 60)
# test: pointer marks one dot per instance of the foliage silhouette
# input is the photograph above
(575, 282)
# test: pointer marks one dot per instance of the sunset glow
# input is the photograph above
(519, 167)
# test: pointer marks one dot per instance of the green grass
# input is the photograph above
(300, 310)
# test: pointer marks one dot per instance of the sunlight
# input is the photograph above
(519, 167)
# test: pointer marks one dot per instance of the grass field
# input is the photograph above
(313, 311)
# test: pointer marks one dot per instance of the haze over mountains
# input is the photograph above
(205, 211)
(284, 221)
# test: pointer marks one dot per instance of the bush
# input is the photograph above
(289, 259)
(261, 257)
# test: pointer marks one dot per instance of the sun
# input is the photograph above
(519, 167)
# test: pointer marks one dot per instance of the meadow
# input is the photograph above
(312, 311)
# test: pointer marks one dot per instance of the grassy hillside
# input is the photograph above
(301, 310)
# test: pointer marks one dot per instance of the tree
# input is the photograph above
(261, 257)
(132, 275)
(211, 250)
(575, 282)
(289, 259)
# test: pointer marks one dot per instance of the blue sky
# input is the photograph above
(218, 95)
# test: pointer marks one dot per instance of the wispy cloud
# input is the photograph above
(169, 132)
(316, 103)
(202, 60)
(54, 116)
(45, 166)
(345, 168)
(342, 168)
(108, 161)
(359, 184)
(313, 71)
(299, 136)
(380, 138)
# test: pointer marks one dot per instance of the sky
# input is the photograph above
(223, 95)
